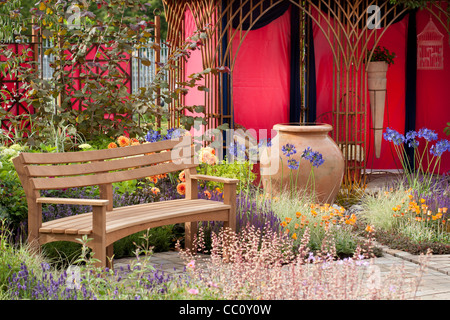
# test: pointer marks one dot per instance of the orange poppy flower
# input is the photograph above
(123, 141)
(112, 145)
(181, 188)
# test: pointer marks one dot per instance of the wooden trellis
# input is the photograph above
(344, 25)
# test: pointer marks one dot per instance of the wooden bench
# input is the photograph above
(105, 224)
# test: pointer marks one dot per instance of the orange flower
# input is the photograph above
(153, 179)
(155, 190)
(181, 188)
(112, 145)
(296, 226)
(182, 176)
(298, 214)
(288, 220)
(283, 224)
(207, 194)
(370, 229)
(123, 141)
(294, 236)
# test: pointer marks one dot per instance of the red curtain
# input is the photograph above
(433, 103)
(261, 76)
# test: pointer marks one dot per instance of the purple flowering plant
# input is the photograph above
(429, 157)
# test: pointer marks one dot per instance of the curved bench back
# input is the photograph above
(43, 171)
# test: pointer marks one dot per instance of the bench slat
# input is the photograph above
(104, 166)
(78, 220)
(122, 219)
(96, 155)
(105, 178)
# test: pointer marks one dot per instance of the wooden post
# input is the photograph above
(158, 60)
(35, 41)
(99, 234)
(106, 192)
(229, 192)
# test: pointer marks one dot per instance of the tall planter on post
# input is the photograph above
(377, 68)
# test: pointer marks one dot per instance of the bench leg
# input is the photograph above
(190, 231)
(99, 235)
(229, 191)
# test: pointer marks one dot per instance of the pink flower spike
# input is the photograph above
(193, 291)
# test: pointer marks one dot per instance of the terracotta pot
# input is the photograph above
(376, 81)
(276, 175)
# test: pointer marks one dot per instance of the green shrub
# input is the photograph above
(13, 204)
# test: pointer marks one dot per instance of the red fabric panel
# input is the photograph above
(393, 39)
(195, 64)
(261, 76)
(433, 103)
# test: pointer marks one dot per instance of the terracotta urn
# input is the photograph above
(276, 174)
(376, 82)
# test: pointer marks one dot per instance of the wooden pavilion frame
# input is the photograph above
(344, 25)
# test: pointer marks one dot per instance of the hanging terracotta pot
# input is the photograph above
(277, 176)
(376, 81)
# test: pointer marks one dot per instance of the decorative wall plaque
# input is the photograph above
(430, 48)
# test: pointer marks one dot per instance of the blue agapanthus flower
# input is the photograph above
(317, 160)
(314, 157)
(293, 164)
(394, 136)
(440, 147)
(288, 150)
(411, 139)
(427, 134)
(264, 143)
(237, 150)
(153, 136)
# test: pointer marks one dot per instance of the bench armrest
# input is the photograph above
(213, 178)
(82, 202)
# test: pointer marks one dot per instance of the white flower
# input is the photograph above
(16, 147)
(85, 146)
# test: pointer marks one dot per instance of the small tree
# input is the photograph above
(98, 49)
